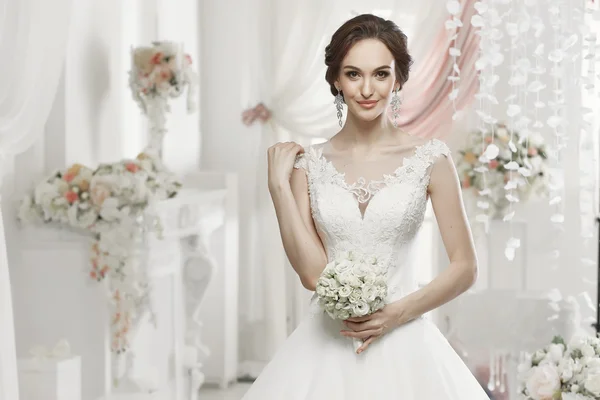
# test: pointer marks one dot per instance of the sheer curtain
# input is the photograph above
(285, 58)
(33, 39)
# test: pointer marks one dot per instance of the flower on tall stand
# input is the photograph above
(159, 73)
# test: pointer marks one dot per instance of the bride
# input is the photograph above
(366, 190)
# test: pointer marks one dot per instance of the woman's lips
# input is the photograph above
(367, 103)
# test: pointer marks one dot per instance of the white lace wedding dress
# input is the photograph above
(412, 362)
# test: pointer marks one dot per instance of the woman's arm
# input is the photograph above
(290, 197)
(461, 274)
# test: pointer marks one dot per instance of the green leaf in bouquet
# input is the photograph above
(559, 340)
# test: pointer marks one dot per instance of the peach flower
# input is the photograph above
(74, 169)
(470, 157)
(99, 192)
(84, 185)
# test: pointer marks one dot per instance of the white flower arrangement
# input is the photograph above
(112, 203)
(505, 169)
(562, 372)
(352, 285)
(159, 73)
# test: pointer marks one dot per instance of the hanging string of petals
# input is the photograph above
(452, 25)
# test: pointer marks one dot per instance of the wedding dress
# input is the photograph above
(380, 217)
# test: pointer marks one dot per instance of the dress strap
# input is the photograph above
(425, 156)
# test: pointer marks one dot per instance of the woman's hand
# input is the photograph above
(373, 326)
(281, 158)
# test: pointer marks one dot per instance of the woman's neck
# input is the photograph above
(366, 134)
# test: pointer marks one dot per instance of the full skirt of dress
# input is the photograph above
(412, 362)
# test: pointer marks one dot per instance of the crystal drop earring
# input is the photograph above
(339, 104)
(395, 107)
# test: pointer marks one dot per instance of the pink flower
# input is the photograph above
(488, 139)
(132, 167)
(157, 58)
(466, 183)
(493, 164)
(69, 176)
(71, 196)
(188, 59)
(544, 382)
(532, 151)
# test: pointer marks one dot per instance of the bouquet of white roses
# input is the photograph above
(352, 286)
(562, 372)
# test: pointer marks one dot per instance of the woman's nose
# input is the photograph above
(366, 90)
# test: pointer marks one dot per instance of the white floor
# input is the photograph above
(235, 392)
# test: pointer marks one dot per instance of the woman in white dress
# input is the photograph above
(366, 189)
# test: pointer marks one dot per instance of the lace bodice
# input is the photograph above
(378, 216)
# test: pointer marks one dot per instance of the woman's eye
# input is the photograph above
(382, 74)
(352, 74)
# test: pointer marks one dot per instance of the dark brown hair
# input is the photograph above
(367, 26)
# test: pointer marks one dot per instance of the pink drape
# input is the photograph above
(426, 109)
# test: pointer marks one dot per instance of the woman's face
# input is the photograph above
(367, 79)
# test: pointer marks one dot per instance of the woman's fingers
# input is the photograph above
(361, 334)
(360, 319)
(366, 344)
(361, 326)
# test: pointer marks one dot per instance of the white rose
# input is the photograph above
(345, 291)
(592, 384)
(543, 382)
(342, 266)
(565, 368)
(593, 364)
(587, 350)
(556, 351)
(360, 309)
(361, 270)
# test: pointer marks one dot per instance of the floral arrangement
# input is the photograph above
(505, 166)
(352, 286)
(158, 73)
(562, 372)
(112, 203)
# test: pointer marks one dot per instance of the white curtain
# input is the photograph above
(285, 53)
(33, 39)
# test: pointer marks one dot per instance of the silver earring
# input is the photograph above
(339, 105)
(395, 107)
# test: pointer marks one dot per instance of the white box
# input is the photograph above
(50, 379)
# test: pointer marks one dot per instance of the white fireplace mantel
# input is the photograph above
(196, 255)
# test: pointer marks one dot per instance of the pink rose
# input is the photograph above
(493, 164)
(532, 151)
(543, 382)
(69, 176)
(71, 196)
(132, 167)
